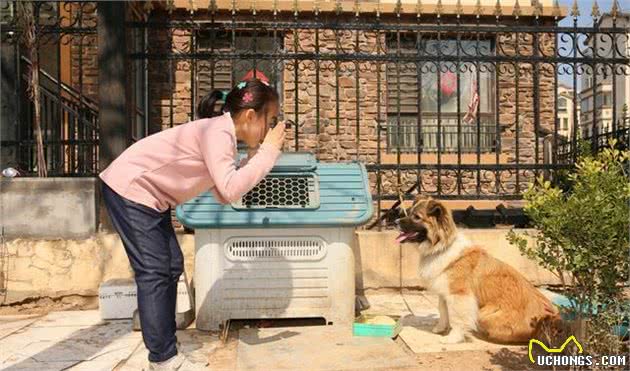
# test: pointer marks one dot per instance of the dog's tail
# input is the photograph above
(550, 326)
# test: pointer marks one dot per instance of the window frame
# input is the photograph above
(428, 116)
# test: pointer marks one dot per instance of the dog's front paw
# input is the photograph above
(439, 329)
(454, 337)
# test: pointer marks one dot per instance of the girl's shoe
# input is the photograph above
(171, 364)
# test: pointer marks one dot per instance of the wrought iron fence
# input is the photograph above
(456, 106)
(66, 46)
(568, 151)
(479, 91)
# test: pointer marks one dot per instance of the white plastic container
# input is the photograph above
(118, 298)
(274, 273)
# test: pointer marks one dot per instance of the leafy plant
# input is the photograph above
(582, 237)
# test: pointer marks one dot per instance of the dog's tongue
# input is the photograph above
(404, 235)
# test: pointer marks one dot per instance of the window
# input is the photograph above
(604, 100)
(412, 86)
(565, 124)
(562, 104)
(588, 82)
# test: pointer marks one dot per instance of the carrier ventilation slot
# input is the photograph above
(282, 191)
(277, 248)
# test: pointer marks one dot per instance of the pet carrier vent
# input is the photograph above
(282, 191)
(285, 248)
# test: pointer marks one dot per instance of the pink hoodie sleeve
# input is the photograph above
(217, 147)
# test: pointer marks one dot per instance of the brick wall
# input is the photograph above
(169, 80)
(84, 52)
(337, 138)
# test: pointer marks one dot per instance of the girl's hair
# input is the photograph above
(258, 95)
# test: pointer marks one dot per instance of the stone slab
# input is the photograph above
(64, 339)
(416, 333)
(317, 348)
(11, 324)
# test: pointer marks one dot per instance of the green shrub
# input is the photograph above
(583, 237)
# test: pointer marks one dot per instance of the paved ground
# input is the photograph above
(79, 340)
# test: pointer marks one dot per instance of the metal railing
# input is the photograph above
(68, 116)
(347, 78)
(69, 125)
(448, 137)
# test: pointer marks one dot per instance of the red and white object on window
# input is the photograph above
(251, 74)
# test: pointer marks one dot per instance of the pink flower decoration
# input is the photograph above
(448, 83)
(248, 97)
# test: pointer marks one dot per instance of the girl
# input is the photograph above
(170, 167)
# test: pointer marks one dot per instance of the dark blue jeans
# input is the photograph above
(157, 261)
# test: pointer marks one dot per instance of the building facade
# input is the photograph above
(568, 112)
(605, 90)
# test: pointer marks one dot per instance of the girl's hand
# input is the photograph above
(275, 136)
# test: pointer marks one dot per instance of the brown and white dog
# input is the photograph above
(477, 293)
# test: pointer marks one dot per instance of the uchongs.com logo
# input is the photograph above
(553, 356)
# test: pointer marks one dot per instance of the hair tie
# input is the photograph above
(224, 95)
(241, 84)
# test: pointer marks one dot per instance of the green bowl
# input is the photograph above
(361, 328)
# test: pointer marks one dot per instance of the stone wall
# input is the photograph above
(60, 268)
(381, 263)
(48, 207)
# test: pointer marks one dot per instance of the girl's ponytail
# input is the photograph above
(205, 108)
(253, 94)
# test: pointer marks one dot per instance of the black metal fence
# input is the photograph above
(66, 47)
(459, 106)
(568, 151)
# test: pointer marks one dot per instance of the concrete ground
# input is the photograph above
(79, 340)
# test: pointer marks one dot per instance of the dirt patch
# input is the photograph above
(499, 360)
(46, 304)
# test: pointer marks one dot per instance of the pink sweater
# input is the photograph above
(175, 165)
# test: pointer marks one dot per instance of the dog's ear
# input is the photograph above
(436, 209)
(420, 197)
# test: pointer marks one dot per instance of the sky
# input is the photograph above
(585, 10)
(586, 19)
